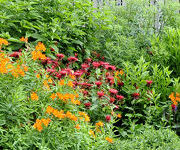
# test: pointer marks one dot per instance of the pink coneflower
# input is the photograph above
(149, 82)
(96, 64)
(60, 56)
(98, 83)
(100, 94)
(108, 118)
(135, 95)
(113, 91)
(119, 97)
(72, 59)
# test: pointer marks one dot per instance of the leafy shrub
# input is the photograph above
(70, 24)
(132, 28)
(146, 137)
(146, 89)
(166, 51)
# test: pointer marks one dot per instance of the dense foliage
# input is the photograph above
(76, 77)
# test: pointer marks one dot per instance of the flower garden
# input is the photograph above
(82, 78)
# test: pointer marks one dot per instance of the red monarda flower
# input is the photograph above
(113, 91)
(60, 56)
(112, 99)
(110, 78)
(135, 95)
(108, 118)
(96, 64)
(88, 60)
(120, 83)
(110, 67)
(15, 54)
(72, 59)
(55, 63)
(174, 107)
(78, 73)
(52, 49)
(85, 92)
(86, 85)
(119, 97)
(75, 54)
(98, 83)
(68, 70)
(87, 104)
(63, 72)
(102, 63)
(85, 66)
(46, 61)
(50, 70)
(98, 55)
(149, 82)
(100, 94)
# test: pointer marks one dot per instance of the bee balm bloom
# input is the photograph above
(149, 82)
(113, 91)
(100, 94)
(108, 118)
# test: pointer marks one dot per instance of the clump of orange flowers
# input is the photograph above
(39, 122)
(77, 126)
(37, 54)
(175, 98)
(65, 97)
(23, 39)
(34, 96)
(110, 140)
(62, 82)
(91, 132)
(60, 114)
(6, 66)
(86, 117)
(3, 41)
(40, 47)
(99, 124)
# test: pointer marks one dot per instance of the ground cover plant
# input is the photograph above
(63, 85)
